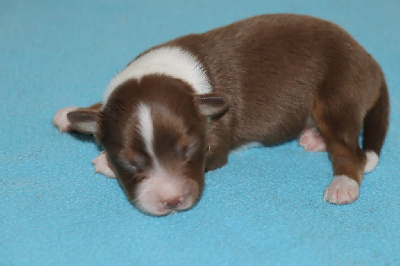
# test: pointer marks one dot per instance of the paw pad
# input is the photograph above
(342, 190)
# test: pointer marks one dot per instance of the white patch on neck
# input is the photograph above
(171, 61)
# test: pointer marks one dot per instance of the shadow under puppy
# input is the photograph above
(179, 108)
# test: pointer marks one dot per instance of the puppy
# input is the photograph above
(178, 109)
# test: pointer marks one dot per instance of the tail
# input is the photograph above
(375, 127)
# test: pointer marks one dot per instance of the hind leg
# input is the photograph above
(340, 129)
(348, 167)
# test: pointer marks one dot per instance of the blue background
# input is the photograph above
(264, 208)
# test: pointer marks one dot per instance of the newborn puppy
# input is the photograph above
(179, 108)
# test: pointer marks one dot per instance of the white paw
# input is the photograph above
(102, 166)
(342, 190)
(372, 161)
(61, 121)
(312, 140)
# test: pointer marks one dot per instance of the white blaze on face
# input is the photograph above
(146, 128)
(161, 192)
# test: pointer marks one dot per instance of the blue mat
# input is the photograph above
(55, 211)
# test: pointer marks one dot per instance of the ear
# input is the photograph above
(84, 120)
(212, 104)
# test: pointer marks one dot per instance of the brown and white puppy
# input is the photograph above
(179, 108)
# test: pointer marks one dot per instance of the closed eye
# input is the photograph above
(185, 150)
(181, 152)
(129, 167)
(133, 163)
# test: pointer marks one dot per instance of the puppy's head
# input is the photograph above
(155, 134)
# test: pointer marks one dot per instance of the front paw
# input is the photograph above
(342, 190)
(103, 166)
(312, 140)
(61, 121)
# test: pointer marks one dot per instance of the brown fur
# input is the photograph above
(277, 70)
(176, 120)
(273, 72)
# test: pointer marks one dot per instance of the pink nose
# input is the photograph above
(173, 203)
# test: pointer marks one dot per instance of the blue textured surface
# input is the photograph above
(264, 208)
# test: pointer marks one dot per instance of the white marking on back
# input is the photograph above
(171, 61)
(372, 161)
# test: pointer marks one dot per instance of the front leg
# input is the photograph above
(103, 166)
(312, 140)
(61, 121)
(83, 120)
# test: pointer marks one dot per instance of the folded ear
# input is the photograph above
(212, 104)
(85, 119)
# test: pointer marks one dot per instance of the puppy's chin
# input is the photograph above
(162, 194)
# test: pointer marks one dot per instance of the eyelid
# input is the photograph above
(130, 167)
(186, 147)
(132, 161)
(192, 146)
(126, 165)
(138, 160)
